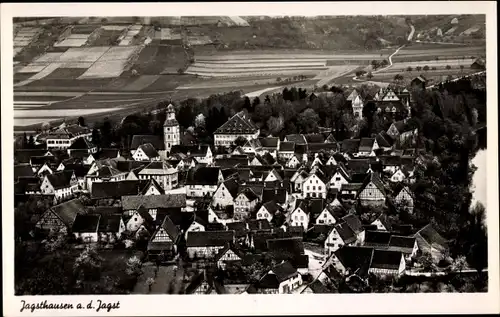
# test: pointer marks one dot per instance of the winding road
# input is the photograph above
(410, 36)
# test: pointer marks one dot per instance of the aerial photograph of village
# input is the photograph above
(250, 154)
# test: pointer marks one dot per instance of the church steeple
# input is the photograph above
(171, 130)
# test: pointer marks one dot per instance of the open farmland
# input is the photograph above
(242, 64)
(432, 51)
(156, 59)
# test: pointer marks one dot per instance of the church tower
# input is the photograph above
(171, 130)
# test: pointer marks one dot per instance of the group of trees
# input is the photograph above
(379, 64)
(446, 119)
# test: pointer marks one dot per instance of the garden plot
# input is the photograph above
(105, 69)
(275, 64)
(129, 36)
(48, 58)
(73, 40)
(54, 113)
(118, 53)
(84, 54)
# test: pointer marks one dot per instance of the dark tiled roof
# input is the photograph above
(23, 170)
(79, 169)
(40, 160)
(230, 162)
(203, 176)
(24, 156)
(318, 147)
(287, 147)
(345, 232)
(239, 228)
(108, 153)
(402, 242)
(301, 149)
(149, 150)
(354, 223)
(272, 207)
(118, 189)
(154, 183)
(109, 223)
(284, 271)
(377, 238)
(68, 210)
(209, 238)
(385, 259)
(318, 288)
(81, 144)
(384, 140)
(350, 146)
(128, 165)
(237, 124)
(429, 234)
(60, 179)
(276, 194)
(355, 259)
(86, 223)
(156, 141)
(133, 202)
(269, 142)
(366, 144)
(314, 138)
(285, 248)
(296, 138)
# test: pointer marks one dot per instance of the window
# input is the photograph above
(337, 179)
(307, 187)
(314, 187)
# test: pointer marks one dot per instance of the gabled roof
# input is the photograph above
(429, 234)
(269, 142)
(314, 138)
(345, 232)
(301, 149)
(226, 249)
(237, 124)
(68, 210)
(318, 147)
(154, 183)
(356, 259)
(149, 150)
(284, 271)
(209, 238)
(154, 201)
(272, 207)
(350, 146)
(86, 223)
(81, 144)
(253, 143)
(267, 159)
(171, 229)
(203, 176)
(287, 147)
(276, 194)
(80, 170)
(296, 138)
(375, 179)
(402, 244)
(354, 223)
(386, 259)
(60, 179)
(107, 153)
(384, 140)
(232, 186)
(249, 194)
(156, 141)
(366, 144)
(377, 238)
(40, 160)
(231, 161)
